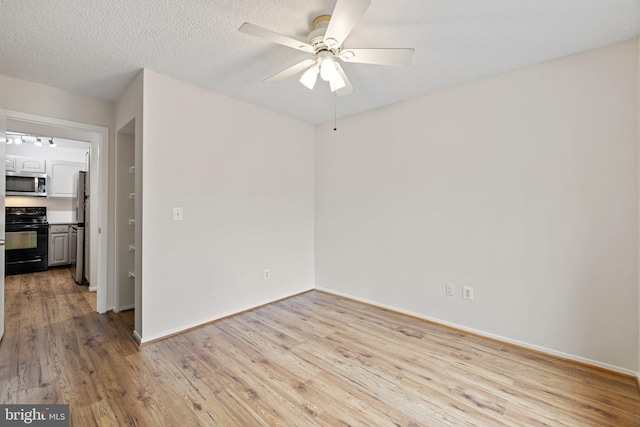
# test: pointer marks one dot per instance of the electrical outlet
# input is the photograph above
(267, 274)
(467, 293)
(451, 289)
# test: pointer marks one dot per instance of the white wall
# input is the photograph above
(60, 206)
(129, 111)
(34, 98)
(524, 186)
(58, 153)
(245, 179)
(638, 160)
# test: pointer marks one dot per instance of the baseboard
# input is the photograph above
(544, 350)
(199, 324)
(126, 307)
(93, 289)
(137, 337)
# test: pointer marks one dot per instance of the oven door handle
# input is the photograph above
(22, 227)
(27, 261)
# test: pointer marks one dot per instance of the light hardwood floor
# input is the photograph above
(314, 359)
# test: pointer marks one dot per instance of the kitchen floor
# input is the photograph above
(49, 279)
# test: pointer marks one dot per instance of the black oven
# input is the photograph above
(26, 240)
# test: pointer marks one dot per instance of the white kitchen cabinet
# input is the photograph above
(61, 177)
(31, 165)
(10, 163)
(58, 245)
(24, 164)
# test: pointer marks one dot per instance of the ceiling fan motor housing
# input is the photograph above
(316, 37)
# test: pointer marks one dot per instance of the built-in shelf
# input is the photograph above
(132, 248)
(132, 222)
(132, 195)
(132, 169)
(131, 274)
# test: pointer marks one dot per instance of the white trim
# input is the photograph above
(3, 148)
(100, 158)
(488, 335)
(126, 307)
(137, 337)
(183, 328)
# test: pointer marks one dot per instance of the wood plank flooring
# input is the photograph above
(311, 360)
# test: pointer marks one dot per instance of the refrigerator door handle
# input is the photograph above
(1, 242)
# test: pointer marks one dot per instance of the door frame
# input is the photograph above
(2, 221)
(98, 138)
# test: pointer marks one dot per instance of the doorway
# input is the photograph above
(98, 139)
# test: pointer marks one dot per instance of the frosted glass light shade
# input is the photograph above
(337, 82)
(327, 69)
(309, 77)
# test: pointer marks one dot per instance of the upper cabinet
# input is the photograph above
(10, 163)
(27, 164)
(24, 164)
(61, 177)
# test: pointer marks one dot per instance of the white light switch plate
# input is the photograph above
(178, 214)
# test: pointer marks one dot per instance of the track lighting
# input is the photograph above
(19, 138)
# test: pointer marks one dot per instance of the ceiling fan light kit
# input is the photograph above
(325, 43)
(310, 76)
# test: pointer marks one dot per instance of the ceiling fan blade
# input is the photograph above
(254, 30)
(348, 87)
(345, 16)
(291, 71)
(377, 56)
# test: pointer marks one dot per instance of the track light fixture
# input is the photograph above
(19, 138)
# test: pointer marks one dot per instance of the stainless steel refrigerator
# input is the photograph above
(80, 232)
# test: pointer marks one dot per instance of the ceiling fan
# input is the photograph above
(325, 43)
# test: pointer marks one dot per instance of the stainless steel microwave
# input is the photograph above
(26, 184)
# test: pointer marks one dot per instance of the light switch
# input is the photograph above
(177, 214)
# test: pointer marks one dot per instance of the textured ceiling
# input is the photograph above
(96, 47)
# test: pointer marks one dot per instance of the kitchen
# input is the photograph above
(46, 221)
